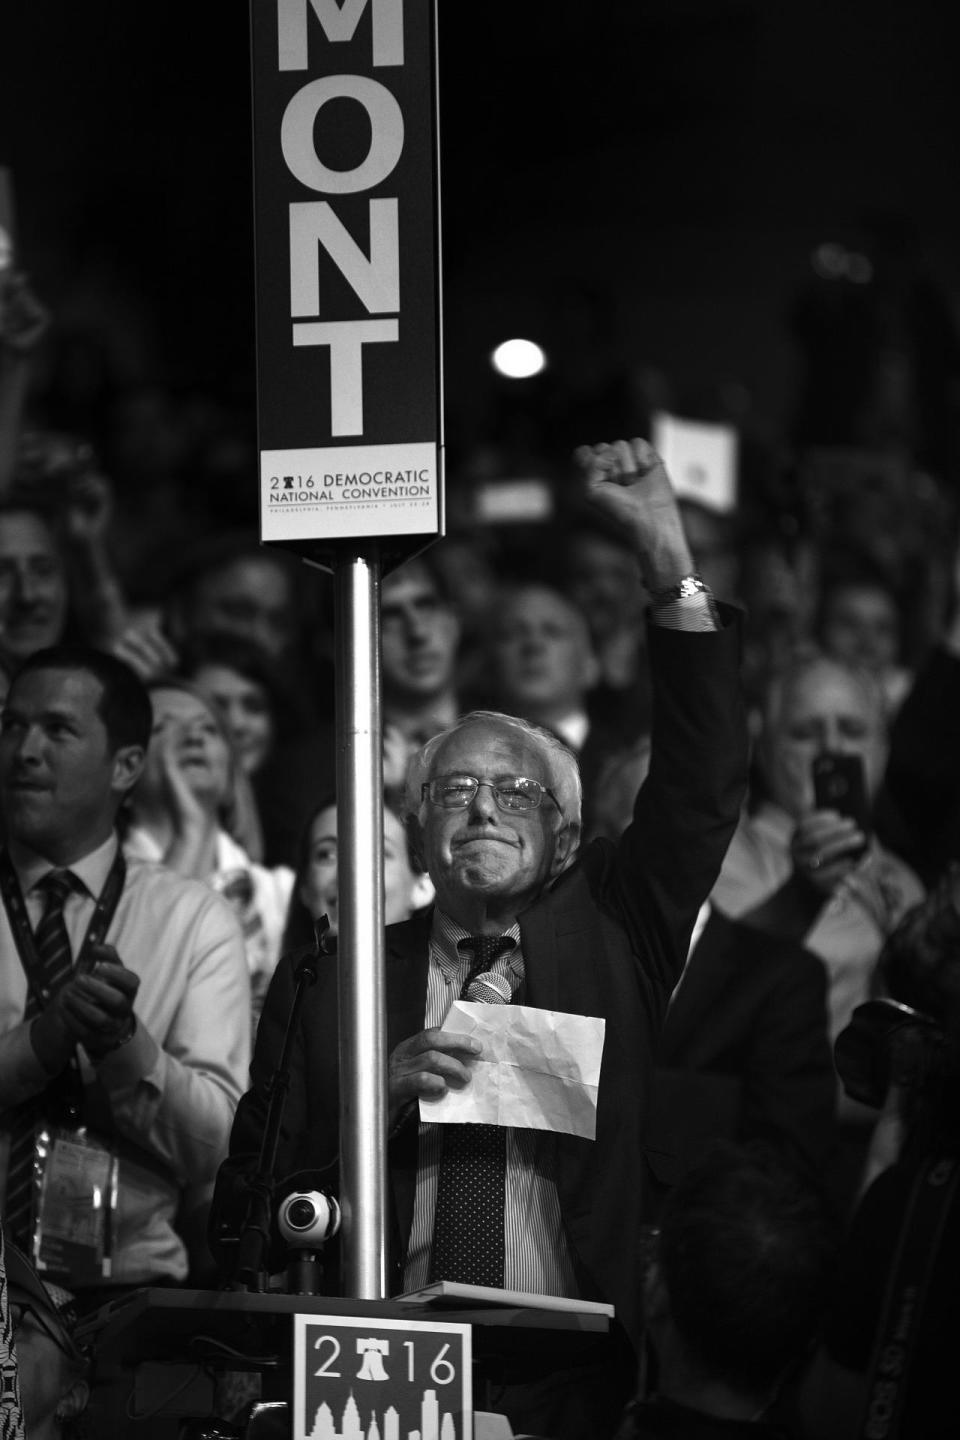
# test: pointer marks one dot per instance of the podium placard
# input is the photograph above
(347, 274)
(367, 1377)
(158, 1347)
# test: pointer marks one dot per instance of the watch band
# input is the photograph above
(118, 1041)
(685, 587)
(688, 605)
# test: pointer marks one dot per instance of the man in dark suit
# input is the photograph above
(494, 807)
(744, 1053)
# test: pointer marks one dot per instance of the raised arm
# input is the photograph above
(629, 481)
(666, 862)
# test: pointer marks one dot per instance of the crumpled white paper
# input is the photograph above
(539, 1070)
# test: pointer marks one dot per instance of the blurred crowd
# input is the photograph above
(129, 526)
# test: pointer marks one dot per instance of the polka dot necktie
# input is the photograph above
(55, 963)
(468, 1220)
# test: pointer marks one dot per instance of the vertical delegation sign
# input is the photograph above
(347, 272)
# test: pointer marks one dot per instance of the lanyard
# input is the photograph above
(20, 921)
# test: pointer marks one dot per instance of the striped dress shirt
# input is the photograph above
(537, 1257)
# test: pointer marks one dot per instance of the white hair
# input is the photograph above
(560, 763)
(809, 663)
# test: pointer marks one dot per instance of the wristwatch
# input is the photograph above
(686, 587)
(118, 1042)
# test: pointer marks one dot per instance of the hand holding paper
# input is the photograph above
(427, 1063)
(538, 1069)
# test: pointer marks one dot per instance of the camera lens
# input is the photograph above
(301, 1214)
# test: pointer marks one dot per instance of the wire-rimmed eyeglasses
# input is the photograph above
(510, 792)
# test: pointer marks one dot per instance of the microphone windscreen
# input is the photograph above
(490, 988)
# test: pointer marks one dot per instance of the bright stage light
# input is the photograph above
(518, 359)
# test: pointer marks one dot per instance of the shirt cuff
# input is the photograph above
(686, 612)
(134, 1063)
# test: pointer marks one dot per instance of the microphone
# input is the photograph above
(306, 1219)
(490, 988)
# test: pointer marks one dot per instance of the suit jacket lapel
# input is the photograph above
(540, 944)
(408, 953)
(558, 934)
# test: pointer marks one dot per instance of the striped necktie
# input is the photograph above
(55, 963)
(469, 1216)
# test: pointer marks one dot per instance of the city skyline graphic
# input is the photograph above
(434, 1423)
(381, 1378)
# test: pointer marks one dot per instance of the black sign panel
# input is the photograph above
(347, 262)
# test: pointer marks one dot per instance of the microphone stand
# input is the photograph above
(255, 1233)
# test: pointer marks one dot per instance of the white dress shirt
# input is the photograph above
(171, 1092)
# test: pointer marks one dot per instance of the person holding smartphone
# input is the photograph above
(805, 864)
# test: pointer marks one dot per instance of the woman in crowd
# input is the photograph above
(406, 887)
(247, 689)
(181, 814)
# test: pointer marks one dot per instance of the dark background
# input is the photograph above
(639, 185)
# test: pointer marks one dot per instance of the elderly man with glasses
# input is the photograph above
(523, 915)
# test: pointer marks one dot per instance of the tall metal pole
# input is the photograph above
(361, 943)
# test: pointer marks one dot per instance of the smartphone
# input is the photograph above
(840, 783)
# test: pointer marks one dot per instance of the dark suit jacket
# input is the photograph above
(918, 808)
(608, 938)
(744, 1053)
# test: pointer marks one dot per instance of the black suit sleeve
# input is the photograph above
(744, 1054)
(666, 862)
(918, 812)
(789, 1093)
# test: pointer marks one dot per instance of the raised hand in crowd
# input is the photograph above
(146, 648)
(826, 847)
(190, 810)
(628, 480)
